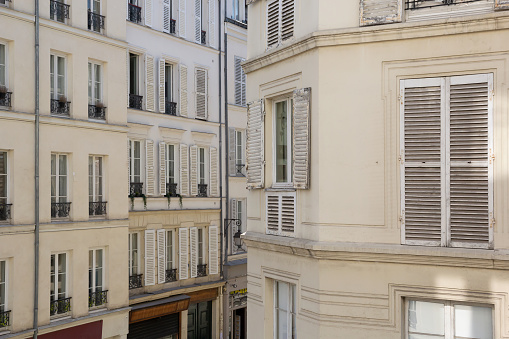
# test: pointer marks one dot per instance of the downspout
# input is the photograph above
(36, 176)
(220, 147)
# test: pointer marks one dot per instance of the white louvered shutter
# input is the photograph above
(183, 90)
(232, 152)
(150, 260)
(194, 251)
(149, 167)
(212, 23)
(129, 166)
(149, 83)
(161, 256)
(182, 18)
(281, 213)
(162, 84)
(301, 137)
(184, 170)
(255, 144)
(272, 214)
(214, 191)
(213, 250)
(201, 93)
(233, 214)
(377, 12)
(287, 19)
(273, 23)
(162, 168)
(148, 13)
(194, 169)
(183, 253)
(238, 80)
(287, 213)
(197, 21)
(166, 16)
(244, 84)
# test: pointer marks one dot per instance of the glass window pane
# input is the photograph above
(282, 295)
(426, 317)
(282, 323)
(281, 142)
(473, 322)
(89, 83)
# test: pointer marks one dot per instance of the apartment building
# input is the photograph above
(377, 166)
(83, 214)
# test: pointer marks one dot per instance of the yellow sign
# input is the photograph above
(242, 291)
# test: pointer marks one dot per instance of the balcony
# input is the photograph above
(202, 270)
(60, 306)
(5, 317)
(135, 281)
(240, 170)
(97, 112)
(60, 209)
(202, 190)
(173, 26)
(170, 108)
(95, 22)
(171, 275)
(171, 189)
(97, 208)
(135, 101)
(3, 2)
(97, 298)
(203, 37)
(60, 106)
(59, 11)
(136, 189)
(419, 4)
(5, 212)
(134, 13)
(5, 98)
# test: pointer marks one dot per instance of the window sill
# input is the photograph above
(285, 188)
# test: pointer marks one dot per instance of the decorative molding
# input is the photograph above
(203, 138)
(138, 130)
(171, 135)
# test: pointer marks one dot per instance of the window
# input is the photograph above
(240, 82)
(170, 250)
(59, 11)
(238, 211)
(235, 10)
(133, 254)
(171, 170)
(134, 10)
(59, 103)
(135, 167)
(448, 320)
(239, 152)
(201, 164)
(3, 66)
(97, 205)
(3, 290)
(170, 102)
(284, 310)
(446, 164)
(169, 10)
(3, 180)
(59, 301)
(280, 21)
(96, 293)
(282, 141)
(95, 19)
(201, 247)
(60, 206)
(201, 93)
(94, 84)
(135, 100)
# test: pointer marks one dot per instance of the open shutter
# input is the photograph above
(213, 172)
(183, 253)
(301, 137)
(273, 23)
(161, 256)
(197, 21)
(377, 12)
(287, 19)
(231, 152)
(166, 16)
(212, 23)
(128, 166)
(194, 169)
(183, 90)
(244, 84)
(213, 251)
(149, 82)
(150, 173)
(194, 251)
(182, 18)
(201, 93)
(127, 9)
(162, 167)
(255, 153)
(501, 4)
(238, 80)
(150, 254)
(184, 170)
(148, 13)
(162, 84)
(233, 214)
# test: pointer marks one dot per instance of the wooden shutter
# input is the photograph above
(183, 90)
(232, 150)
(287, 213)
(287, 19)
(238, 80)
(161, 256)
(184, 170)
(149, 167)
(148, 13)
(377, 12)
(214, 191)
(149, 83)
(501, 4)
(194, 169)
(212, 23)
(281, 213)
(197, 21)
(233, 214)
(201, 93)
(254, 146)
(213, 250)
(244, 85)
(273, 23)
(150, 260)
(166, 16)
(272, 214)
(182, 18)
(183, 253)
(162, 167)
(194, 251)
(162, 84)
(301, 137)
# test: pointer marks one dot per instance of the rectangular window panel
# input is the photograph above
(3, 289)
(169, 250)
(58, 178)
(3, 177)
(284, 310)
(135, 154)
(95, 270)
(168, 78)
(133, 253)
(202, 165)
(473, 322)
(133, 73)
(282, 141)
(170, 166)
(58, 279)
(200, 247)
(3, 79)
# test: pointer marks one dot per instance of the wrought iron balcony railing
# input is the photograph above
(419, 4)
(96, 112)
(97, 298)
(134, 13)
(2, 2)
(136, 189)
(59, 11)
(97, 208)
(171, 189)
(5, 319)
(203, 37)
(5, 99)
(201, 270)
(171, 275)
(173, 26)
(60, 306)
(240, 170)
(135, 281)
(202, 190)
(170, 108)
(60, 107)
(135, 101)
(95, 21)
(60, 209)
(5, 212)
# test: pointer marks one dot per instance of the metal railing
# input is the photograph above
(60, 107)
(59, 11)
(96, 112)
(173, 26)
(202, 190)
(203, 37)
(4, 1)
(201, 270)
(419, 4)
(135, 101)
(5, 99)
(240, 170)
(136, 189)
(60, 209)
(97, 208)
(135, 281)
(95, 21)
(5, 211)
(60, 306)
(171, 275)
(171, 189)
(134, 13)
(170, 108)
(5, 318)
(97, 298)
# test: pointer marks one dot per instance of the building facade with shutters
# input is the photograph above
(377, 164)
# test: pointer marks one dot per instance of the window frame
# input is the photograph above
(289, 136)
(202, 174)
(57, 198)
(137, 68)
(132, 159)
(130, 253)
(93, 176)
(7, 176)
(170, 249)
(201, 248)
(66, 274)
(240, 158)
(93, 288)
(55, 75)
(5, 65)
(291, 311)
(5, 285)
(176, 163)
(92, 82)
(172, 82)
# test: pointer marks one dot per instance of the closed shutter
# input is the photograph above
(150, 90)
(183, 90)
(254, 145)
(272, 214)
(184, 170)
(231, 152)
(201, 93)
(233, 214)
(288, 213)
(273, 23)
(301, 137)
(149, 166)
(501, 4)
(150, 260)
(213, 250)
(377, 12)
(194, 251)
(214, 191)
(212, 23)
(194, 169)
(197, 21)
(287, 19)
(166, 16)
(148, 13)
(161, 256)
(281, 213)
(183, 252)
(162, 167)
(162, 84)
(182, 18)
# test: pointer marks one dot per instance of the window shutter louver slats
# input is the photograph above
(377, 12)
(231, 152)
(183, 91)
(273, 214)
(201, 93)
(182, 18)
(162, 167)
(183, 253)
(194, 169)
(501, 4)
(287, 19)
(149, 74)
(213, 250)
(287, 213)
(301, 137)
(273, 23)
(184, 170)
(244, 85)
(194, 251)
(162, 84)
(197, 21)
(212, 23)
(213, 172)
(148, 13)
(161, 256)
(238, 81)
(254, 144)
(150, 262)
(281, 214)
(150, 173)
(166, 16)
(233, 214)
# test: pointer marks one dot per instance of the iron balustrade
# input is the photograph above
(60, 107)
(135, 281)
(171, 189)
(136, 189)
(96, 112)
(202, 190)
(5, 99)
(60, 209)
(97, 208)
(135, 101)
(419, 4)
(5, 318)
(97, 298)
(201, 270)
(170, 108)
(4, 1)
(171, 275)
(240, 169)
(95, 21)
(5, 211)
(134, 13)
(60, 306)
(173, 26)
(59, 11)
(203, 37)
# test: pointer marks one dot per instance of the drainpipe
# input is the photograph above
(220, 146)
(36, 176)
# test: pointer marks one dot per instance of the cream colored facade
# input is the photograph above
(349, 257)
